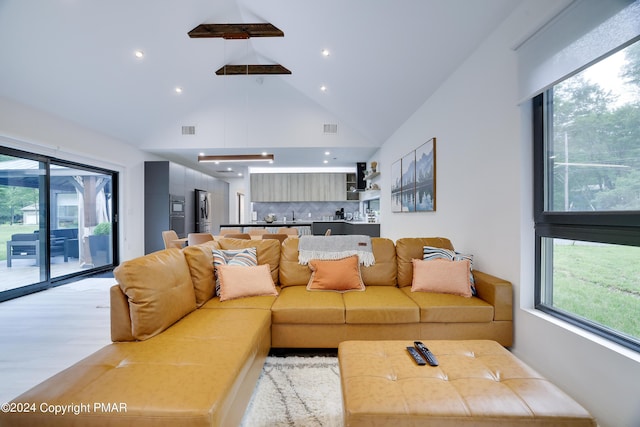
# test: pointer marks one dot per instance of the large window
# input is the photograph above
(587, 197)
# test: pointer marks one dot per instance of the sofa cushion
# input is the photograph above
(159, 289)
(239, 282)
(200, 260)
(245, 257)
(292, 273)
(297, 305)
(260, 302)
(339, 275)
(383, 272)
(409, 248)
(448, 308)
(268, 251)
(441, 275)
(380, 305)
(430, 253)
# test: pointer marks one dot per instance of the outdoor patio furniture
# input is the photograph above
(27, 246)
(23, 246)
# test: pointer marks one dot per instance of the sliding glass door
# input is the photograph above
(57, 222)
(22, 213)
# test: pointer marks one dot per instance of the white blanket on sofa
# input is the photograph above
(335, 247)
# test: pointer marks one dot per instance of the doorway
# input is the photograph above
(57, 221)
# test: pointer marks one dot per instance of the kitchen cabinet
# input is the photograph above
(165, 181)
(298, 187)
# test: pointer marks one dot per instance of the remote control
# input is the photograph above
(416, 356)
(431, 358)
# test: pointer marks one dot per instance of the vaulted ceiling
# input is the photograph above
(76, 59)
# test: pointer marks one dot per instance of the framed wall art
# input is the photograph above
(396, 186)
(409, 182)
(426, 176)
(413, 180)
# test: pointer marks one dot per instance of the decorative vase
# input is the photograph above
(374, 166)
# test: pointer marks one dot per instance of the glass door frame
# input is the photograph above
(44, 200)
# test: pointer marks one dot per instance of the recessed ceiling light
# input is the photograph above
(326, 153)
(239, 173)
(323, 88)
(138, 54)
(178, 89)
(200, 154)
(264, 153)
(326, 161)
(325, 52)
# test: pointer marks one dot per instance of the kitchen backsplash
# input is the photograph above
(318, 210)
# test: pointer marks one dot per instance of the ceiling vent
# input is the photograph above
(188, 130)
(330, 128)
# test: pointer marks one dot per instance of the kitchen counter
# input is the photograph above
(341, 227)
(318, 228)
(269, 224)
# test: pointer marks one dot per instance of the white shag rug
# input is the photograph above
(296, 391)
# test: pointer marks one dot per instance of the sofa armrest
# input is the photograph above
(497, 292)
(120, 317)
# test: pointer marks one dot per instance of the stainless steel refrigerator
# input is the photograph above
(204, 218)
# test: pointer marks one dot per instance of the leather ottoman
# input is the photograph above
(477, 383)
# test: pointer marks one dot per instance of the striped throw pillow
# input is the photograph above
(246, 257)
(430, 253)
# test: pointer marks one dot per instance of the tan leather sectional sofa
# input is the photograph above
(181, 357)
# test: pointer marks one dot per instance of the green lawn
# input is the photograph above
(5, 235)
(600, 283)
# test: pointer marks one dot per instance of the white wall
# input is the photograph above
(484, 193)
(31, 130)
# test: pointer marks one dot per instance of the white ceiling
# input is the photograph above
(75, 59)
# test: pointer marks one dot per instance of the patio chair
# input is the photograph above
(23, 246)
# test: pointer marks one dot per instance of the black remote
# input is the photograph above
(416, 356)
(431, 358)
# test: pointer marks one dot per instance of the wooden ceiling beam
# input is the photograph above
(238, 70)
(235, 31)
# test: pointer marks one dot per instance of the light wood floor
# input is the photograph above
(46, 332)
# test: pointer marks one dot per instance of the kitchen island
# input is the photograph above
(338, 227)
(342, 227)
(304, 227)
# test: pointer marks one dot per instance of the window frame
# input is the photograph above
(46, 280)
(612, 227)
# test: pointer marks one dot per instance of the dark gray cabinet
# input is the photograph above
(164, 181)
(319, 228)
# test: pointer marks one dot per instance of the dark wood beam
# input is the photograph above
(235, 31)
(238, 70)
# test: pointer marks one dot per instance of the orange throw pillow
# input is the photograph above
(239, 281)
(441, 276)
(339, 275)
